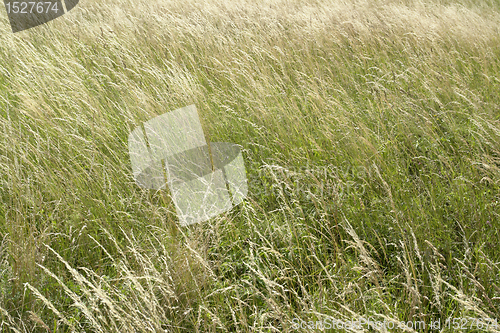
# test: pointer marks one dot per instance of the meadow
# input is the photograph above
(370, 132)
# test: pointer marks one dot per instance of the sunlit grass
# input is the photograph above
(371, 138)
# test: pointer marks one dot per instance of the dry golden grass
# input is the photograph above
(397, 100)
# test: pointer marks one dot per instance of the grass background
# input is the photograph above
(371, 138)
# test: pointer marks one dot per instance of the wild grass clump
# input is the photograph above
(371, 138)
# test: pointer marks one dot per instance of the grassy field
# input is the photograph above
(371, 138)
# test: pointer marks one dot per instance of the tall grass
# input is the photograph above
(371, 139)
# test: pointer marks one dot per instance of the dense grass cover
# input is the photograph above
(371, 137)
